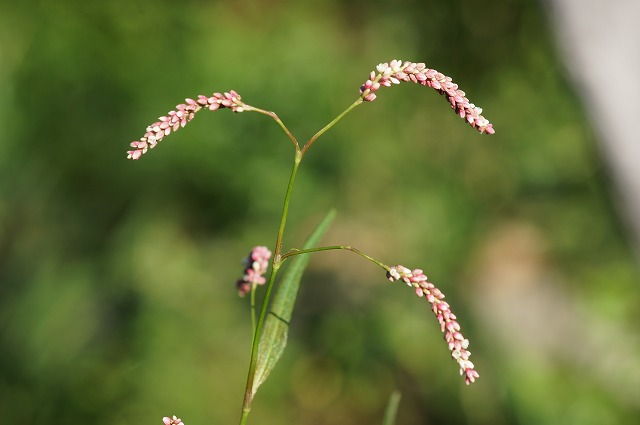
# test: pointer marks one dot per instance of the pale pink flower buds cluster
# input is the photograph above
(172, 421)
(180, 116)
(256, 265)
(457, 343)
(398, 71)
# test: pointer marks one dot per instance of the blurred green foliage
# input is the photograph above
(117, 303)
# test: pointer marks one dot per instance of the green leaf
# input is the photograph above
(392, 408)
(276, 327)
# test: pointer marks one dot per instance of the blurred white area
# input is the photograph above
(599, 41)
(542, 328)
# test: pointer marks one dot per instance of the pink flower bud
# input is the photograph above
(172, 421)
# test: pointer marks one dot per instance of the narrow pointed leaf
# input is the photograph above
(392, 409)
(276, 327)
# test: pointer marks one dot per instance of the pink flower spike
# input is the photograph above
(398, 71)
(449, 326)
(182, 114)
(255, 265)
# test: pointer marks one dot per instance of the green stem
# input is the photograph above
(248, 393)
(335, 247)
(273, 115)
(253, 308)
(331, 124)
(285, 209)
(277, 262)
(245, 415)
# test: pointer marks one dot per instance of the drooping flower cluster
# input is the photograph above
(398, 71)
(256, 264)
(180, 116)
(172, 421)
(457, 343)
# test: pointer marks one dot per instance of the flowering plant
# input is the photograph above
(270, 327)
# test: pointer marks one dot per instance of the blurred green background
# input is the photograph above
(117, 297)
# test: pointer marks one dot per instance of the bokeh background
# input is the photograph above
(117, 297)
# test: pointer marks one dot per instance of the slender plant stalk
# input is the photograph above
(278, 120)
(248, 394)
(331, 124)
(334, 247)
(253, 308)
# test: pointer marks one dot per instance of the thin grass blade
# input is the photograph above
(392, 409)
